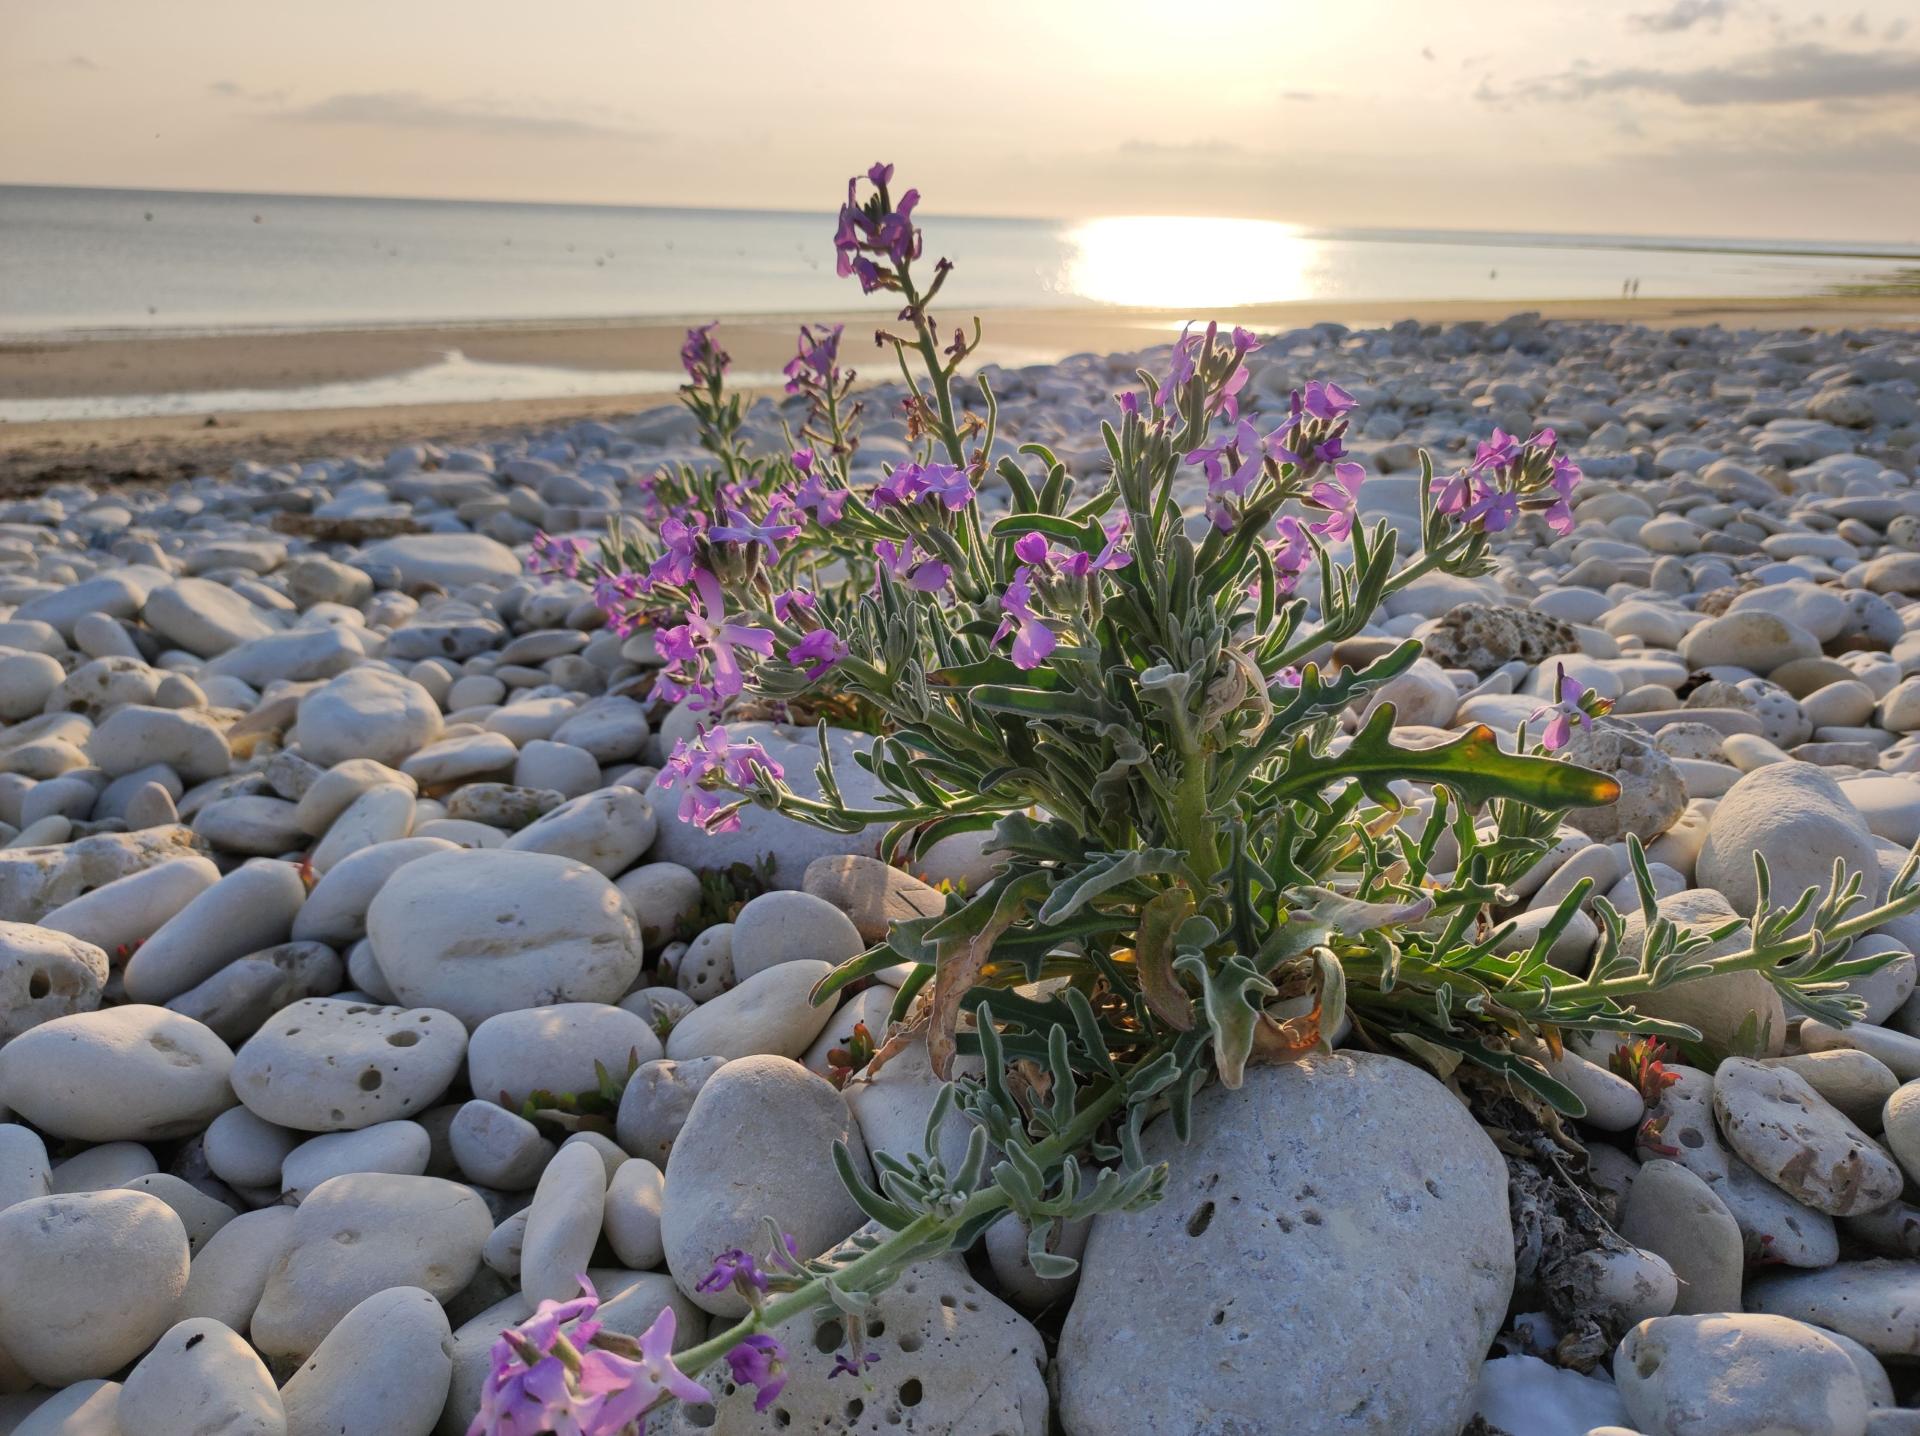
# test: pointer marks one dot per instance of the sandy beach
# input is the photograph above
(165, 448)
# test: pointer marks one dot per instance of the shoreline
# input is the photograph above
(165, 448)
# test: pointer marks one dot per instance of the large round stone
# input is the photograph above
(201, 1378)
(366, 713)
(1796, 817)
(88, 1281)
(136, 1074)
(1734, 1375)
(488, 931)
(359, 1234)
(382, 1371)
(755, 1146)
(447, 560)
(1333, 1245)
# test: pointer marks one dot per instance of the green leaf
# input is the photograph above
(1511, 1064)
(1231, 1013)
(1024, 836)
(1109, 871)
(877, 1207)
(1066, 530)
(1025, 702)
(874, 959)
(995, 668)
(1473, 765)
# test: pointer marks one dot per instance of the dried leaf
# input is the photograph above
(1160, 920)
(962, 959)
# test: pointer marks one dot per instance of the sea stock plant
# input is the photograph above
(1205, 860)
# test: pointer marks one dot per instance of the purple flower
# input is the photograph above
(1288, 677)
(1035, 552)
(844, 1365)
(910, 482)
(615, 593)
(823, 503)
(1244, 341)
(1182, 365)
(760, 1361)
(543, 1328)
(556, 556)
(1033, 640)
(817, 652)
(1569, 706)
(1228, 397)
(739, 528)
(1294, 553)
(1456, 494)
(1338, 496)
(704, 360)
(1031, 549)
(632, 1388)
(702, 653)
(813, 366)
(1497, 452)
(1495, 510)
(1223, 483)
(926, 575)
(743, 763)
(1325, 400)
(880, 226)
(675, 564)
(788, 607)
(550, 1375)
(1078, 565)
(733, 1268)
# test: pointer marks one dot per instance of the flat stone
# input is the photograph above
(360, 1234)
(132, 1073)
(1793, 1137)
(329, 1065)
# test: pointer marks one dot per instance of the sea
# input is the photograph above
(78, 262)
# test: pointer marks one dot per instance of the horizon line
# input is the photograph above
(1572, 239)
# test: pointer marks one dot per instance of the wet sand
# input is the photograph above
(165, 448)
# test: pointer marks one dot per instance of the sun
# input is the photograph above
(1169, 262)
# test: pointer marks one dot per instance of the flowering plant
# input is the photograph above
(1125, 678)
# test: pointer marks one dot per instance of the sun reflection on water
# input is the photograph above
(1166, 262)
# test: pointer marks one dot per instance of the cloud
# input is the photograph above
(1426, 52)
(1680, 16)
(1784, 75)
(409, 109)
(80, 62)
(1298, 95)
(228, 90)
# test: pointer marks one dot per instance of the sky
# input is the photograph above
(1757, 118)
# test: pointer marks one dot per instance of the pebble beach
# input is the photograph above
(359, 988)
